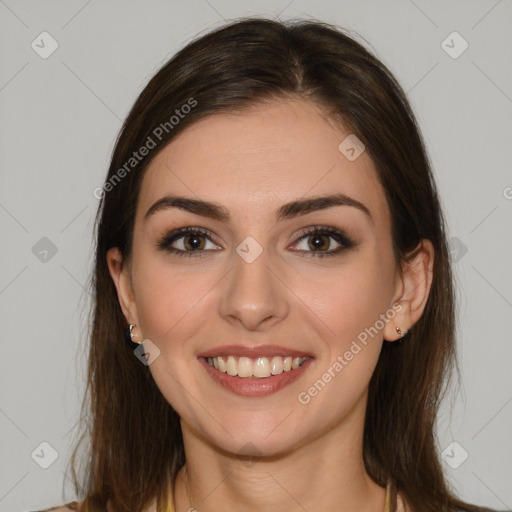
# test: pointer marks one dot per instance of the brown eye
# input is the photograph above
(318, 242)
(192, 242)
(188, 242)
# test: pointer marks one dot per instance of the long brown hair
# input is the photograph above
(135, 443)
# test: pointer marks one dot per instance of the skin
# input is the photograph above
(305, 457)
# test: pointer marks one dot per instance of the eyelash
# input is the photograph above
(338, 236)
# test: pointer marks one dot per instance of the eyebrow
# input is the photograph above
(287, 211)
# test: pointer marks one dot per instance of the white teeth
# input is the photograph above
(260, 367)
(276, 365)
(231, 366)
(222, 364)
(244, 367)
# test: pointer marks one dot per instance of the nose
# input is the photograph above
(254, 295)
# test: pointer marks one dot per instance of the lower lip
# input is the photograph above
(255, 386)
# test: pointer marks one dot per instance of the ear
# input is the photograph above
(413, 288)
(120, 273)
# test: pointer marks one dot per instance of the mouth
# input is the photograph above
(259, 368)
(254, 372)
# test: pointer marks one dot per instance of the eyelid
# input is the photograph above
(169, 238)
(319, 228)
(338, 235)
(345, 241)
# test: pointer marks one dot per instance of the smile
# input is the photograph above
(255, 376)
(257, 368)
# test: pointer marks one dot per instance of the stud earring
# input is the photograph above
(401, 334)
(130, 335)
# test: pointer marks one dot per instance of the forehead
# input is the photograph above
(255, 161)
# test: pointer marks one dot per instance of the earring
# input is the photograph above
(130, 335)
(402, 334)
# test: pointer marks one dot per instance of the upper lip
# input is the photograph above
(255, 351)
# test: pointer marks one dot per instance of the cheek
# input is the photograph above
(343, 300)
(349, 303)
(348, 299)
(169, 298)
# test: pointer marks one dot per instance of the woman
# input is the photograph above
(274, 317)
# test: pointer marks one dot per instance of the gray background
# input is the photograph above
(59, 120)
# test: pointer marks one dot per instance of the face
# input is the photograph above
(262, 281)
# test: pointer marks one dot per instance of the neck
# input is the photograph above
(313, 476)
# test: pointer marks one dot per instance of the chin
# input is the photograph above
(250, 440)
(254, 448)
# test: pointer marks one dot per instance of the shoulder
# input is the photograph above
(68, 507)
(484, 509)
(480, 509)
(402, 506)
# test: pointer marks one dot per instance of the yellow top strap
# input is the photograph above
(390, 501)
